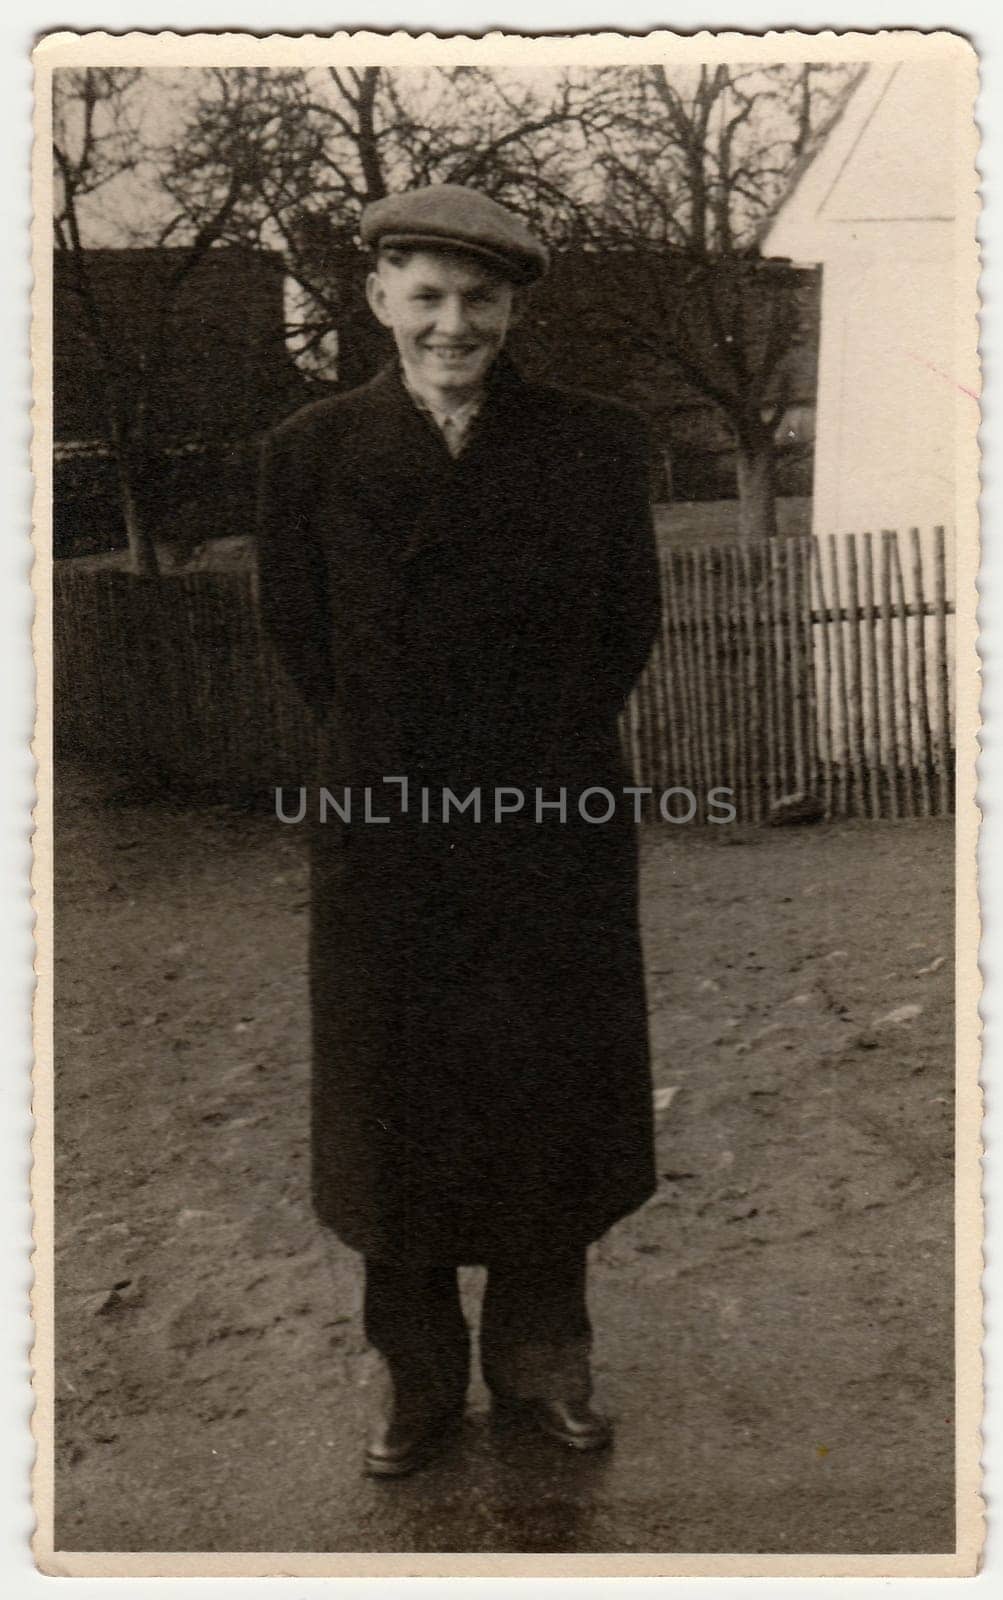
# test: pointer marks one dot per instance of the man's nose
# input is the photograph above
(452, 316)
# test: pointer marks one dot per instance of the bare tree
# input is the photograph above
(323, 143)
(98, 141)
(679, 169)
(693, 164)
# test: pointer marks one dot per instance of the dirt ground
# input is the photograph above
(774, 1330)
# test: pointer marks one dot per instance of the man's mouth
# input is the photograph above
(452, 352)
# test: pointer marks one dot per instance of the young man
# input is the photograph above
(457, 568)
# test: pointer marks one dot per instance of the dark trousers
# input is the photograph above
(534, 1327)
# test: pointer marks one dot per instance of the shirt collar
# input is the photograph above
(459, 416)
(454, 425)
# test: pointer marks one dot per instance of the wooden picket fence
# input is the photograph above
(813, 674)
(170, 680)
(783, 669)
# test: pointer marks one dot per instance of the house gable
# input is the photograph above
(889, 160)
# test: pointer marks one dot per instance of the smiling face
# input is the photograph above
(448, 315)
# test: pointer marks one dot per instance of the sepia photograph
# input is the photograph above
(506, 1039)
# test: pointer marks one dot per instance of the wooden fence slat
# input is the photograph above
(909, 801)
(749, 687)
(774, 655)
(701, 674)
(687, 700)
(925, 753)
(672, 741)
(145, 719)
(680, 686)
(652, 727)
(825, 697)
(888, 659)
(195, 720)
(942, 694)
(872, 692)
(810, 673)
(795, 669)
(205, 685)
(734, 698)
(717, 677)
(780, 769)
(662, 722)
(730, 666)
(674, 754)
(765, 670)
(712, 665)
(806, 546)
(839, 657)
(754, 685)
(855, 732)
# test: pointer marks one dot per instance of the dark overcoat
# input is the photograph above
(480, 1058)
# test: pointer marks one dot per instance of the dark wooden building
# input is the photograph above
(205, 358)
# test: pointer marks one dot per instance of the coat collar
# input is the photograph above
(406, 478)
(503, 407)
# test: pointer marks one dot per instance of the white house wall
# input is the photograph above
(878, 211)
(885, 449)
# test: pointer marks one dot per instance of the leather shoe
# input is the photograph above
(412, 1429)
(571, 1422)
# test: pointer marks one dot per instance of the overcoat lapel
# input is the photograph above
(394, 464)
(420, 496)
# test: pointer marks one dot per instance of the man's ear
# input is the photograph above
(376, 295)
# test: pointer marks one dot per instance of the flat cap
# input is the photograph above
(450, 216)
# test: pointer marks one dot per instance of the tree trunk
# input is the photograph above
(130, 470)
(757, 488)
(141, 546)
(367, 140)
